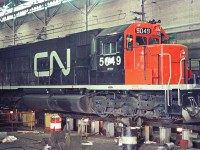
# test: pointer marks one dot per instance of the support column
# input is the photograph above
(80, 126)
(13, 30)
(69, 124)
(83, 126)
(109, 127)
(186, 136)
(165, 134)
(129, 138)
(143, 13)
(86, 14)
(148, 132)
(94, 127)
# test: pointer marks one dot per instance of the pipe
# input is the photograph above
(86, 14)
(63, 103)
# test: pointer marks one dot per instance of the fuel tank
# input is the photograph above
(63, 103)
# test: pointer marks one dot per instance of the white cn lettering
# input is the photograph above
(53, 56)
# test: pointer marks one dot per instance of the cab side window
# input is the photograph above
(140, 40)
(163, 39)
(110, 44)
(110, 48)
(120, 44)
(129, 42)
(153, 41)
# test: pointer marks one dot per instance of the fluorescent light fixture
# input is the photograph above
(179, 129)
(28, 7)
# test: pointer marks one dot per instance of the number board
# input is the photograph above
(110, 60)
(143, 30)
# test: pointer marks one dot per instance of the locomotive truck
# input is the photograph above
(127, 71)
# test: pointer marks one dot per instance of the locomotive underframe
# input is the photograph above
(160, 102)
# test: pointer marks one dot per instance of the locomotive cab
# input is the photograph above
(139, 54)
(110, 55)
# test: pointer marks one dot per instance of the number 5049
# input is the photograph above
(107, 61)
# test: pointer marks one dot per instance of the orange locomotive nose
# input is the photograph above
(157, 64)
(151, 60)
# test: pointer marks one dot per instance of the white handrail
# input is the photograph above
(179, 101)
(170, 75)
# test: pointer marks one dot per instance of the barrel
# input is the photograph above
(55, 123)
(184, 144)
(129, 138)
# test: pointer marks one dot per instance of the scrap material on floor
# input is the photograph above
(42, 139)
(39, 140)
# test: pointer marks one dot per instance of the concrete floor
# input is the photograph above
(35, 142)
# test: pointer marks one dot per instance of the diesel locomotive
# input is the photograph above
(126, 71)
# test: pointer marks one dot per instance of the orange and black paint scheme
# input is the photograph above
(146, 56)
(125, 71)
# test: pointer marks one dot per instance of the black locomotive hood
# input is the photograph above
(113, 30)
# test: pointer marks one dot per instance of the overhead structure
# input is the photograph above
(13, 11)
(9, 12)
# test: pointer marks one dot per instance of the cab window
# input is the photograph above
(141, 40)
(129, 42)
(163, 39)
(110, 48)
(153, 41)
(120, 44)
(110, 44)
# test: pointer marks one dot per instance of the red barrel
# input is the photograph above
(184, 144)
(55, 123)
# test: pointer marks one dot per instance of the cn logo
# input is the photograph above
(53, 55)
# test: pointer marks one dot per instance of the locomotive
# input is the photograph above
(127, 71)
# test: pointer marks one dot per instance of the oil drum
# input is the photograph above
(129, 138)
(55, 123)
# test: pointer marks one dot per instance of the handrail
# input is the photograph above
(170, 75)
(170, 67)
(179, 101)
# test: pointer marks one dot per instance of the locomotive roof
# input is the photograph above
(113, 30)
